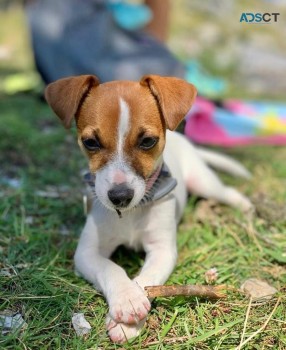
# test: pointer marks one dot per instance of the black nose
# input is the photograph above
(120, 195)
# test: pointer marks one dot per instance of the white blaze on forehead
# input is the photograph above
(123, 125)
(118, 170)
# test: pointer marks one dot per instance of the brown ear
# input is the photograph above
(174, 96)
(65, 96)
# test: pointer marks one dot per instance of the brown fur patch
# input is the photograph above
(99, 116)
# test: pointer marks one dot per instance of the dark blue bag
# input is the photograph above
(72, 37)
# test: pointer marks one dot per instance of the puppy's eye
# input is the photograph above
(148, 142)
(92, 144)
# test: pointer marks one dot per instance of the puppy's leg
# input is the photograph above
(159, 242)
(205, 183)
(127, 301)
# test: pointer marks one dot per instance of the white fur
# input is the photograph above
(106, 177)
(152, 228)
(123, 126)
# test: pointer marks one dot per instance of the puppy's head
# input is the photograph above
(121, 128)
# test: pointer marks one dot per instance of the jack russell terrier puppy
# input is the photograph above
(142, 172)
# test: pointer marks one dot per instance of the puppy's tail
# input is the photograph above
(223, 162)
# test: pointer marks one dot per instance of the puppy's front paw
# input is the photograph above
(128, 304)
(119, 332)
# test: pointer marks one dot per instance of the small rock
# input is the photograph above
(80, 324)
(258, 289)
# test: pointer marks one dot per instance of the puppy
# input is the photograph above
(143, 172)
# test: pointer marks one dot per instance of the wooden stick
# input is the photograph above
(194, 290)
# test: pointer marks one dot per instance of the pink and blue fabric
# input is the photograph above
(236, 123)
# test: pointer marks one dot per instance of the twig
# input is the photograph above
(245, 323)
(261, 328)
(202, 291)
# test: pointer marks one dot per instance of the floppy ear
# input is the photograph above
(65, 96)
(174, 97)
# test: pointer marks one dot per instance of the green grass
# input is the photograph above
(38, 236)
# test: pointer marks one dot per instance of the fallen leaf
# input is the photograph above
(258, 289)
(10, 322)
(80, 324)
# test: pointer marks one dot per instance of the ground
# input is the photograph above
(41, 216)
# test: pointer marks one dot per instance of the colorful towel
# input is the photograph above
(236, 123)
